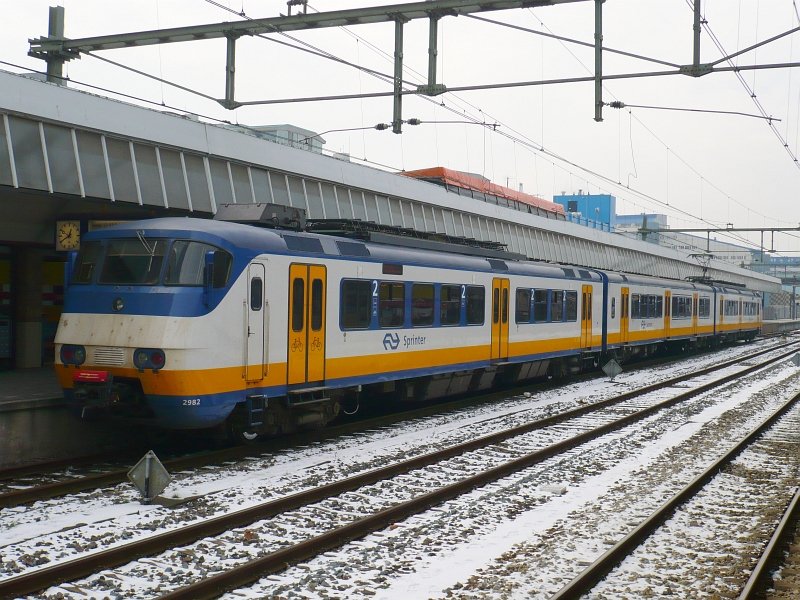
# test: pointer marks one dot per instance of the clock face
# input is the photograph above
(68, 235)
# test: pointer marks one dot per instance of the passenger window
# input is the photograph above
(540, 306)
(571, 306)
(356, 304)
(523, 308)
(316, 304)
(557, 305)
(635, 306)
(256, 293)
(613, 308)
(298, 303)
(450, 305)
(476, 305)
(422, 304)
(391, 305)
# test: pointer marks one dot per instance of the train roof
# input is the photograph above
(252, 241)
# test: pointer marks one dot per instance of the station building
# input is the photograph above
(72, 161)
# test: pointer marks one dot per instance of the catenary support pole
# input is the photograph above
(697, 29)
(230, 73)
(55, 60)
(433, 51)
(397, 119)
(598, 60)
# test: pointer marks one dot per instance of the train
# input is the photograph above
(210, 324)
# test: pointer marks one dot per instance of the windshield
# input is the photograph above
(186, 264)
(87, 261)
(139, 261)
(133, 262)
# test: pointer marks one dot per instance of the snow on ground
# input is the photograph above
(57, 530)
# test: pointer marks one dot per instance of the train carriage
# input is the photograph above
(192, 324)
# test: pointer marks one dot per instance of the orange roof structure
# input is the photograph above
(480, 184)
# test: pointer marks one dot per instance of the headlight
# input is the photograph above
(72, 354)
(149, 358)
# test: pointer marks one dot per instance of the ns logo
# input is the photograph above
(391, 341)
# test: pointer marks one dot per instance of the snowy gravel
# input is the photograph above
(463, 542)
(517, 539)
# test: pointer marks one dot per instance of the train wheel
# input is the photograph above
(238, 429)
(240, 435)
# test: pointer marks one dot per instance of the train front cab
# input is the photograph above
(125, 349)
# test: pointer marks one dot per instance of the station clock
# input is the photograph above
(68, 235)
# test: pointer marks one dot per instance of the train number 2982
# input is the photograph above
(191, 401)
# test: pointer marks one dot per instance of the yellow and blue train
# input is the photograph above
(189, 323)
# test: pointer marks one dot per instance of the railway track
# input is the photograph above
(556, 437)
(624, 548)
(776, 576)
(16, 491)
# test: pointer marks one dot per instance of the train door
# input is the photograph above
(695, 311)
(256, 317)
(624, 316)
(586, 317)
(306, 340)
(667, 312)
(500, 300)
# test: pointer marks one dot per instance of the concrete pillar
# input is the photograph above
(26, 286)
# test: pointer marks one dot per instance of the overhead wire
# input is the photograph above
(742, 239)
(324, 54)
(686, 163)
(526, 142)
(540, 148)
(692, 168)
(750, 90)
(305, 46)
(630, 130)
(178, 110)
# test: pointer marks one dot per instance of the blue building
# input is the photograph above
(600, 208)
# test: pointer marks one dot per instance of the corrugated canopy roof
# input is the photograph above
(480, 184)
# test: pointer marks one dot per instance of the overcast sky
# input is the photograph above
(691, 166)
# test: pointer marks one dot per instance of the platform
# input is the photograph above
(29, 388)
(780, 326)
(36, 425)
